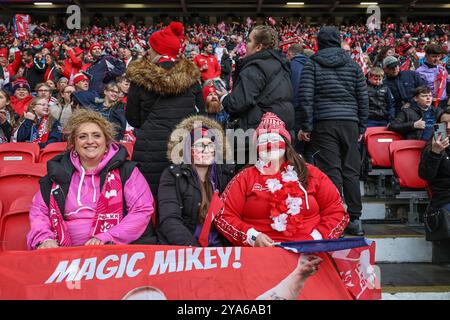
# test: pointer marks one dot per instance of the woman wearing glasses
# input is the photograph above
(197, 152)
(38, 125)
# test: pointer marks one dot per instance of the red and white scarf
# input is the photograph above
(439, 86)
(108, 211)
(42, 134)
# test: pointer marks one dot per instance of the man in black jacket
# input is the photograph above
(34, 69)
(334, 105)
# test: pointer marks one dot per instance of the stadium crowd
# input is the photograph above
(308, 90)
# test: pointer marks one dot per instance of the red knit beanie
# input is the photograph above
(94, 45)
(167, 42)
(270, 123)
(4, 52)
(79, 77)
(207, 90)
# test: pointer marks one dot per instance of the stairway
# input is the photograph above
(411, 268)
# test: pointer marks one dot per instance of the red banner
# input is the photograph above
(161, 272)
(21, 22)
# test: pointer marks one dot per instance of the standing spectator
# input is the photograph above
(104, 69)
(263, 85)
(220, 49)
(163, 91)
(34, 68)
(385, 52)
(191, 49)
(297, 62)
(434, 74)
(334, 103)
(73, 63)
(226, 66)
(127, 57)
(52, 69)
(381, 101)
(207, 63)
(416, 121)
(401, 83)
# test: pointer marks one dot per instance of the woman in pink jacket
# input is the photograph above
(91, 195)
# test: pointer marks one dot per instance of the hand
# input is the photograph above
(419, 124)
(93, 242)
(308, 265)
(66, 47)
(48, 244)
(263, 240)
(16, 43)
(29, 115)
(439, 145)
(304, 136)
(2, 116)
(360, 138)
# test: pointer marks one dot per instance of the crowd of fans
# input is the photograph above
(306, 90)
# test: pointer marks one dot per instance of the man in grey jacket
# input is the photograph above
(334, 110)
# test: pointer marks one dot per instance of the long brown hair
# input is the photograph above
(299, 164)
(9, 109)
(206, 190)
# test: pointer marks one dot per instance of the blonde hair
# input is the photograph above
(83, 116)
(51, 119)
(376, 72)
(266, 36)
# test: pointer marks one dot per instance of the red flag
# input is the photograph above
(21, 22)
(214, 207)
(439, 86)
(357, 269)
(405, 65)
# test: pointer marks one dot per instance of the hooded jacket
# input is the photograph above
(250, 98)
(179, 195)
(160, 97)
(333, 86)
(247, 209)
(81, 200)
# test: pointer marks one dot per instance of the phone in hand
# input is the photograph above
(440, 128)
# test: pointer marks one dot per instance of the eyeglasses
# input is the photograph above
(43, 90)
(202, 147)
(113, 91)
(42, 104)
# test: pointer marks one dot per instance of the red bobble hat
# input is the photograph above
(20, 83)
(207, 90)
(79, 77)
(77, 51)
(168, 41)
(270, 123)
(95, 45)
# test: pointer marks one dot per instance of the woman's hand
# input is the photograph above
(439, 145)
(93, 242)
(48, 244)
(263, 240)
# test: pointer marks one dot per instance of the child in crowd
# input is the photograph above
(381, 101)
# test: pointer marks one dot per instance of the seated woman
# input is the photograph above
(435, 166)
(38, 125)
(280, 198)
(21, 97)
(109, 107)
(8, 118)
(91, 195)
(187, 186)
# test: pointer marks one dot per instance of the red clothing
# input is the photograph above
(12, 68)
(72, 65)
(213, 70)
(20, 106)
(246, 200)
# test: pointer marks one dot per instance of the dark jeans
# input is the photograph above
(335, 148)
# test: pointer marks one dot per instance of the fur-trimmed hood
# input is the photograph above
(172, 81)
(175, 147)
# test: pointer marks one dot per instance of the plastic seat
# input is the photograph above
(18, 152)
(19, 180)
(52, 150)
(15, 225)
(130, 147)
(405, 157)
(377, 141)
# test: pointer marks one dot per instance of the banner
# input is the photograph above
(162, 272)
(21, 23)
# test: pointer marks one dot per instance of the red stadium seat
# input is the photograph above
(19, 180)
(15, 225)
(52, 150)
(378, 140)
(130, 147)
(18, 152)
(405, 157)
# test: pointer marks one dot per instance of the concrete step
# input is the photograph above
(415, 281)
(397, 243)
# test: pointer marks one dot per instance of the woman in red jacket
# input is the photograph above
(280, 198)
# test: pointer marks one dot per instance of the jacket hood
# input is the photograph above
(300, 58)
(172, 81)
(183, 130)
(332, 57)
(329, 37)
(265, 55)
